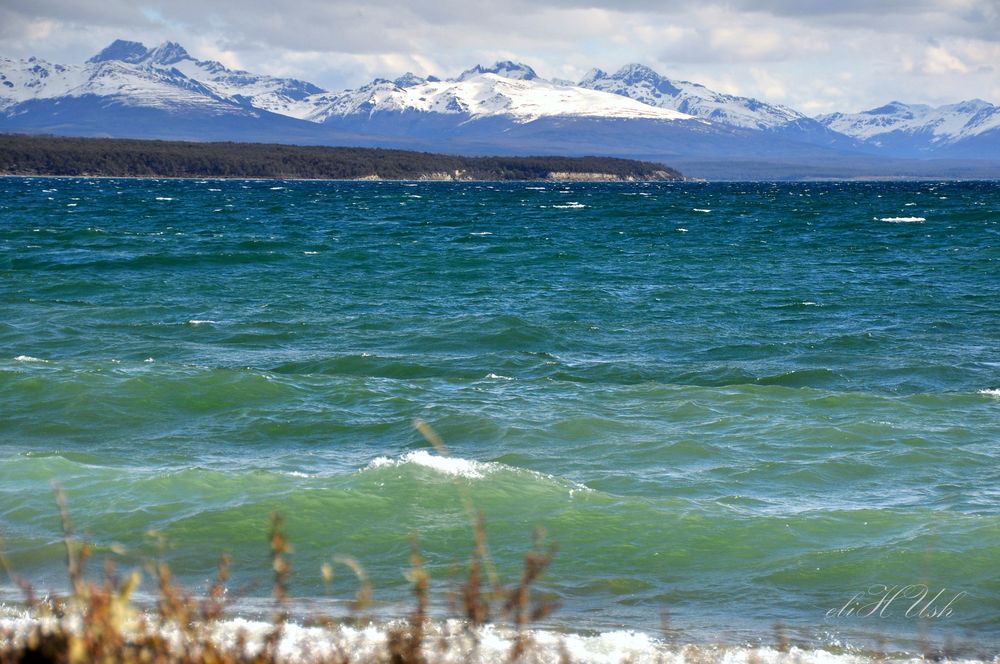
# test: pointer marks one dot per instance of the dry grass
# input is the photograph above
(99, 622)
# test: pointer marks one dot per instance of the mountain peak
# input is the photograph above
(125, 51)
(633, 75)
(888, 109)
(408, 80)
(973, 105)
(594, 74)
(168, 53)
(505, 68)
(636, 73)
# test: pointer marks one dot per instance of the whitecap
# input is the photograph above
(28, 358)
(454, 466)
(991, 393)
(470, 469)
(149, 360)
(310, 253)
(903, 220)
(682, 230)
(296, 473)
(164, 198)
(493, 376)
(700, 210)
(572, 205)
(196, 321)
(481, 233)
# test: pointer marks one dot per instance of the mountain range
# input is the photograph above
(129, 90)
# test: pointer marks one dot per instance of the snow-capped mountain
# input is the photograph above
(507, 89)
(919, 128)
(641, 83)
(163, 76)
(34, 79)
(167, 76)
(264, 92)
(129, 90)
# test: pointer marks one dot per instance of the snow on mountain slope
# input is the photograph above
(162, 77)
(941, 125)
(265, 92)
(34, 79)
(506, 89)
(641, 83)
(167, 75)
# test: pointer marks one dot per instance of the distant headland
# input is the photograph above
(103, 157)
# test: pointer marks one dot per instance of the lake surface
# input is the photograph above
(735, 405)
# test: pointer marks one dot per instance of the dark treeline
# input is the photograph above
(49, 155)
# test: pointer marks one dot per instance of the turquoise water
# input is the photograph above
(739, 404)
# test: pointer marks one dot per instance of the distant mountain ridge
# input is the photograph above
(129, 90)
(641, 83)
(921, 130)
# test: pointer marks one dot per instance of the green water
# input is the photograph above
(742, 404)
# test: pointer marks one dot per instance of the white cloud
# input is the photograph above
(771, 86)
(938, 60)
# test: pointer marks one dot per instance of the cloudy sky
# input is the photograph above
(814, 55)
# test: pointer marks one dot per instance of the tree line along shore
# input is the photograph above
(104, 157)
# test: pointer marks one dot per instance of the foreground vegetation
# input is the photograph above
(49, 155)
(99, 622)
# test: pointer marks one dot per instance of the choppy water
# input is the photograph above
(741, 404)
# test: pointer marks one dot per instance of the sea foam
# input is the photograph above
(452, 641)
(454, 466)
(471, 469)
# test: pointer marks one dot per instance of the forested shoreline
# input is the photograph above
(51, 155)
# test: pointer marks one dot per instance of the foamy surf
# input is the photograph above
(453, 642)
(468, 468)
(29, 358)
(453, 466)
(495, 376)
